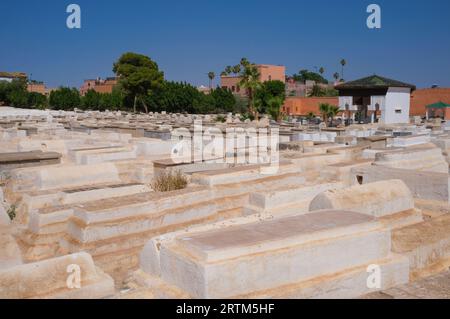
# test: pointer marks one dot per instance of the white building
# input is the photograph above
(10, 76)
(376, 99)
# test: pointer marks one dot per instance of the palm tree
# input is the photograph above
(343, 63)
(250, 81)
(274, 104)
(328, 111)
(211, 76)
(336, 76)
(332, 112)
(321, 70)
(323, 109)
(229, 69)
(244, 61)
(237, 69)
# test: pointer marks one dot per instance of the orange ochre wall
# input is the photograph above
(423, 97)
(37, 88)
(419, 100)
(272, 73)
(305, 105)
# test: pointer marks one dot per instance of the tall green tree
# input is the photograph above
(305, 75)
(14, 93)
(211, 76)
(18, 98)
(37, 100)
(204, 104)
(250, 80)
(274, 105)
(91, 100)
(269, 98)
(336, 76)
(65, 98)
(224, 100)
(343, 64)
(139, 76)
(174, 97)
(228, 70)
(115, 100)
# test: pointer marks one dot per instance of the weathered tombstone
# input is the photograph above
(4, 218)
(379, 199)
(264, 122)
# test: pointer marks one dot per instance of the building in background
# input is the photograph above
(376, 99)
(99, 85)
(302, 89)
(37, 87)
(267, 73)
(32, 85)
(10, 76)
(204, 89)
(302, 106)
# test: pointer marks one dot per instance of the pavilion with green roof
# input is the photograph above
(376, 99)
(438, 109)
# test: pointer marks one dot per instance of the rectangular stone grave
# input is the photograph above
(252, 259)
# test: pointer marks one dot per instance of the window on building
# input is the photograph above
(270, 78)
(238, 88)
(233, 88)
(398, 111)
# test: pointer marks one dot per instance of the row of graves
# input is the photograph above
(314, 214)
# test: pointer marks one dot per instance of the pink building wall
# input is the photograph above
(267, 73)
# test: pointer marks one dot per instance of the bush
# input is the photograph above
(221, 119)
(12, 212)
(166, 182)
(65, 98)
(37, 100)
(247, 116)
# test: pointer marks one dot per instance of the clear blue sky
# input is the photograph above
(188, 38)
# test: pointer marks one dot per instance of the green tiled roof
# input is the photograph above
(374, 82)
(438, 105)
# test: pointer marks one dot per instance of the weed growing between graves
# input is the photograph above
(169, 181)
(12, 212)
(221, 119)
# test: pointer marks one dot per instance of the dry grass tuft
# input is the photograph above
(169, 181)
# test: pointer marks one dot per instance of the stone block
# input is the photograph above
(422, 158)
(49, 279)
(10, 254)
(375, 199)
(423, 185)
(254, 258)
